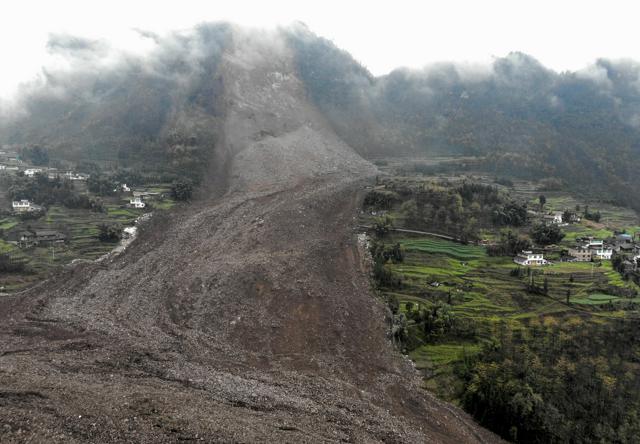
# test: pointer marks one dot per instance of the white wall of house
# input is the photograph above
(529, 258)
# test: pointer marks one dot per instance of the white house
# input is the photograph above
(137, 202)
(22, 206)
(595, 243)
(603, 253)
(554, 218)
(122, 187)
(30, 172)
(527, 258)
(70, 175)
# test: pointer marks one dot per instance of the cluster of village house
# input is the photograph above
(11, 162)
(31, 238)
(587, 250)
(25, 205)
(28, 238)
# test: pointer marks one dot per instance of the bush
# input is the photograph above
(509, 245)
(181, 190)
(380, 199)
(544, 234)
(383, 225)
(511, 213)
(110, 233)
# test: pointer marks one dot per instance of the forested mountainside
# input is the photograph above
(524, 119)
(157, 111)
(520, 117)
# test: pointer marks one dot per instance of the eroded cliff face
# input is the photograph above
(245, 317)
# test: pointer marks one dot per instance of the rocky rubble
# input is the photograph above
(246, 316)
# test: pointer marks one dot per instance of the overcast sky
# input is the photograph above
(562, 34)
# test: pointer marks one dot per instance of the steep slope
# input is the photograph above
(245, 317)
(523, 118)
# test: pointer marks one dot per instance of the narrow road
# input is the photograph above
(424, 233)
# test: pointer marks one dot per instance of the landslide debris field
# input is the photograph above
(246, 316)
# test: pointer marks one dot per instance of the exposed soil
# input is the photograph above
(244, 317)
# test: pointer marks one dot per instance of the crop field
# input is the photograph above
(7, 223)
(434, 245)
(81, 228)
(484, 290)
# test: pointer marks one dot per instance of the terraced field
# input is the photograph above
(81, 229)
(484, 290)
(437, 246)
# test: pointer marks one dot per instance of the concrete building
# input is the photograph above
(23, 206)
(580, 253)
(30, 172)
(603, 253)
(554, 218)
(30, 238)
(529, 258)
(137, 202)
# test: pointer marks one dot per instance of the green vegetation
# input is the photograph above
(440, 246)
(567, 380)
(529, 352)
(36, 154)
(109, 233)
(181, 190)
(546, 234)
(90, 223)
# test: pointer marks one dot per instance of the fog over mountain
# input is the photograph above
(582, 127)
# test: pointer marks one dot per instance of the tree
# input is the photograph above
(181, 190)
(568, 216)
(594, 216)
(101, 186)
(543, 200)
(109, 233)
(544, 234)
(511, 213)
(510, 243)
(36, 154)
(383, 225)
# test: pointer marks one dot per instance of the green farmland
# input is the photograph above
(81, 228)
(484, 292)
